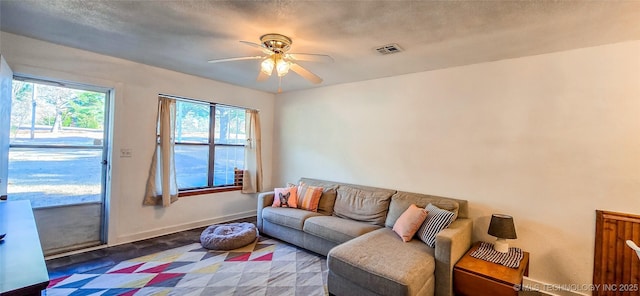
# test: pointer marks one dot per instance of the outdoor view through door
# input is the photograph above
(210, 141)
(57, 160)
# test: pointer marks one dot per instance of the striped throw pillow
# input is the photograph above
(437, 219)
(309, 197)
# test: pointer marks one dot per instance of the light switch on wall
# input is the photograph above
(125, 152)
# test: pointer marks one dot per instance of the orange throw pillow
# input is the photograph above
(309, 197)
(409, 222)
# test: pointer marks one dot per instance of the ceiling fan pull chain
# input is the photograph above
(279, 84)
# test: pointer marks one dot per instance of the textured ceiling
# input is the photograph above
(183, 35)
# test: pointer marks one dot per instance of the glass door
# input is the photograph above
(57, 160)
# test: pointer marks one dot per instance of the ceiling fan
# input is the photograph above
(275, 47)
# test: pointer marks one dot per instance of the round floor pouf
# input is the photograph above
(228, 236)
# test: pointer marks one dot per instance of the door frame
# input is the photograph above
(106, 164)
(105, 180)
(5, 135)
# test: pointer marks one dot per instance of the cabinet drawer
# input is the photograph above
(469, 284)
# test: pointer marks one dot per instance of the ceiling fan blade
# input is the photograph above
(235, 59)
(262, 76)
(311, 57)
(260, 46)
(251, 44)
(306, 74)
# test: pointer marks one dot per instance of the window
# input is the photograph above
(209, 147)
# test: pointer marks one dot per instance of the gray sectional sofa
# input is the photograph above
(353, 228)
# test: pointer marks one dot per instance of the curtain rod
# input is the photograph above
(206, 102)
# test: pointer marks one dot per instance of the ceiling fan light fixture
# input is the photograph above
(267, 66)
(282, 67)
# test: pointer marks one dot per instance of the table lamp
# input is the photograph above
(502, 227)
(634, 247)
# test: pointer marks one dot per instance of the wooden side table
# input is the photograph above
(473, 276)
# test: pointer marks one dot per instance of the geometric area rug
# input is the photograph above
(265, 267)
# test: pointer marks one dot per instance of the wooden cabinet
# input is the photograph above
(615, 266)
(472, 276)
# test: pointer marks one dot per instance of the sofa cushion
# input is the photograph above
(400, 201)
(336, 229)
(290, 217)
(373, 261)
(363, 204)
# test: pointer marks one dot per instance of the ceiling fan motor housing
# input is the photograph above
(277, 43)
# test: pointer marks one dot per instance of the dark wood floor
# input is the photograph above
(111, 256)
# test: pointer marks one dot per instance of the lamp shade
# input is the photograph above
(282, 67)
(267, 66)
(502, 226)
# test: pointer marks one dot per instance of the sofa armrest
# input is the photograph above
(265, 199)
(451, 244)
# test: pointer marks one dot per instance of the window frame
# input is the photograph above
(210, 188)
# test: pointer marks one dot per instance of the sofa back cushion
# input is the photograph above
(362, 203)
(400, 201)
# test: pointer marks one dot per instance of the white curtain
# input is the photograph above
(252, 182)
(162, 186)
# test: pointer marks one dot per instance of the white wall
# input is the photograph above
(134, 121)
(548, 139)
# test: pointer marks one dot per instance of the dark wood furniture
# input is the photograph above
(472, 276)
(616, 269)
(22, 267)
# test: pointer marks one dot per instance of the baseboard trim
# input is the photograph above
(182, 227)
(89, 249)
(554, 289)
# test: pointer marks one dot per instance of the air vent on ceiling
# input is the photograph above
(389, 48)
